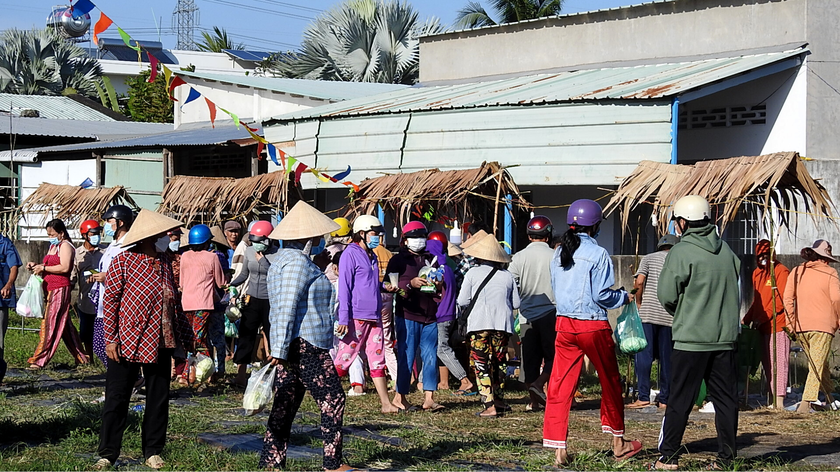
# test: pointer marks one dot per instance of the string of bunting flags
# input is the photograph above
(288, 163)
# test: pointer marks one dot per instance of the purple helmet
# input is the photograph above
(584, 213)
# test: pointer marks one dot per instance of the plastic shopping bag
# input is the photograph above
(204, 367)
(231, 331)
(31, 302)
(260, 390)
(629, 331)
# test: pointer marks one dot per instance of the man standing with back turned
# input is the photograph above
(699, 286)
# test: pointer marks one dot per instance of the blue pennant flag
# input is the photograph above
(87, 183)
(272, 153)
(192, 96)
(81, 8)
(343, 175)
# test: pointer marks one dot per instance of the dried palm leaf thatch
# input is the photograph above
(211, 200)
(456, 194)
(755, 184)
(72, 203)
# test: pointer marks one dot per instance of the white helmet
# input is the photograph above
(692, 208)
(367, 223)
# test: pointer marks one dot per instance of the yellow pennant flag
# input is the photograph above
(167, 74)
(318, 174)
(256, 137)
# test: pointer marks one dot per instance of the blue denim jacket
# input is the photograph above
(583, 291)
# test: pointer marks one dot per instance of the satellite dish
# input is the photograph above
(61, 19)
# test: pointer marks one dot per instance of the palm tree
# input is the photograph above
(40, 62)
(362, 41)
(473, 15)
(217, 41)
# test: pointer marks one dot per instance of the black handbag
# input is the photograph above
(465, 313)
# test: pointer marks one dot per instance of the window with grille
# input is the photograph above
(742, 234)
(723, 117)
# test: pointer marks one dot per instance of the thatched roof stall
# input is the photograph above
(754, 183)
(72, 203)
(439, 195)
(211, 200)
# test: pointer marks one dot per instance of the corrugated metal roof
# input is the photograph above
(54, 107)
(222, 133)
(320, 89)
(97, 130)
(621, 83)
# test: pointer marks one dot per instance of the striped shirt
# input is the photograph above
(651, 310)
(302, 303)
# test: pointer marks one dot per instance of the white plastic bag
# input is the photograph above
(204, 367)
(260, 390)
(31, 302)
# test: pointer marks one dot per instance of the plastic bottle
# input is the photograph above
(455, 234)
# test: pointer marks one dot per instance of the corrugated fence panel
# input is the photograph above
(581, 144)
(370, 145)
(141, 173)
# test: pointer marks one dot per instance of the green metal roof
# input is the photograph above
(55, 107)
(655, 81)
(320, 89)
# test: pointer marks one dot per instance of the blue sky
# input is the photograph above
(271, 25)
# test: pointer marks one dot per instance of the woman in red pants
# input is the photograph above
(581, 276)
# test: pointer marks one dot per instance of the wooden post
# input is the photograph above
(498, 197)
(98, 181)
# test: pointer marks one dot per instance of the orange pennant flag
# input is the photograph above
(212, 108)
(101, 25)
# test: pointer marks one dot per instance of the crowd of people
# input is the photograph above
(323, 299)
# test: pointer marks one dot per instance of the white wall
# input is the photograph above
(53, 172)
(783, 93)
(246, 102)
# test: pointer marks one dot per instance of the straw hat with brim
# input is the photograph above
(303, 222)
(219, 236)
(149, 224)
(474, 239)
(454, 250)
(488, 249)
(823, 248)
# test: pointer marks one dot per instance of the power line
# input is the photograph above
(291, 5)
(254, 38)
(262, 10)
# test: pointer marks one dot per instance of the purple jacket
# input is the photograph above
(359, 296)
(446, 309)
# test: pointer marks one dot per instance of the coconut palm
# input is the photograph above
(40, 62)
(217, 41)
(473, 15)
(362, 41)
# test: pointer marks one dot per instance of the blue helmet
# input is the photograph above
(199, 234)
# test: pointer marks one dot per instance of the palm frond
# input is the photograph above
(473, 15)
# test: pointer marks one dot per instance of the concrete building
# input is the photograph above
(576, 101)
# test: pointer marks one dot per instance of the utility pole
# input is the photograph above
(184, 21)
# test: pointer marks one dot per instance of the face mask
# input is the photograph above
(315, 250)
(54, 241)
(373, 242)
(415, 244)
(174, 246)
(260, 247)
(109, 231)
(95, 239)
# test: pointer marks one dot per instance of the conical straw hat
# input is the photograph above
(474, 239)
(454, 250)
(488, 249)
(303, 222)
(218, 236)
(149, 224)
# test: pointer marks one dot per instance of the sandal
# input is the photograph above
(464, 393)
(637, 405)
(434, 408)
(637, 448)
(34, 367)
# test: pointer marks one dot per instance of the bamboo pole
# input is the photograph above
(498, 197)
(773, 290)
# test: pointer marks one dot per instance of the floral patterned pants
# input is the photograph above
(307, 368)
(488, 357)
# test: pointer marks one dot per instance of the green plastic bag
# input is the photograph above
(629, 331)
(231, 331)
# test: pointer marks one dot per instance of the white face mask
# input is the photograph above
(415, 244)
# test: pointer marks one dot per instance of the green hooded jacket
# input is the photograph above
(699, 287)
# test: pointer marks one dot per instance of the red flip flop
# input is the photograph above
(637, 448)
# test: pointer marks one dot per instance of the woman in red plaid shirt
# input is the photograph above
(142, 328)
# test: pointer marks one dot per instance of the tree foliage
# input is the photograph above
(361, 41)
(149, 102)
(40, 62)
(473, 15)
(217, 41)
